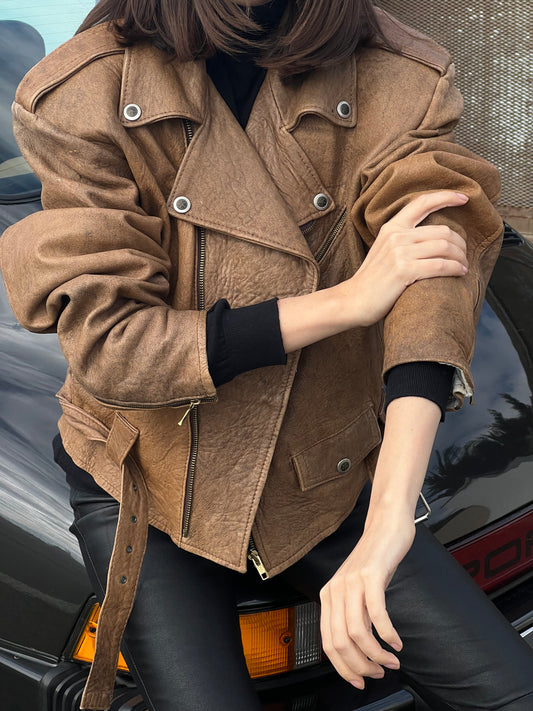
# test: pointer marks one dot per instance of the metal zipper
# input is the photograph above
(334, 232)
(192, 410)
(306, 229)
(200, 276)
(189, 485)
(188, 131)
(193, 405)
(117, 405)
(253, 555)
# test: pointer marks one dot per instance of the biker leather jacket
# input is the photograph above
(156, 205)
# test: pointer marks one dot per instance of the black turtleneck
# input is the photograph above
(237, 77)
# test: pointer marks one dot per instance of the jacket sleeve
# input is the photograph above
(92, 266)
(435, 319)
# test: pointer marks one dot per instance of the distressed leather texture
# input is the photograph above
(113, 268)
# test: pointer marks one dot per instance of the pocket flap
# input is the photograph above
(338, 454)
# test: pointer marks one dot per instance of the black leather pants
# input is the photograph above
(182, 642)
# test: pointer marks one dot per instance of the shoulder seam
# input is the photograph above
(411, 43)
(56, 67)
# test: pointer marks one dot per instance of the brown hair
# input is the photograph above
(311, 33)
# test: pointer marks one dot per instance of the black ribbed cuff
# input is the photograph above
(421, 379)
(242, 339)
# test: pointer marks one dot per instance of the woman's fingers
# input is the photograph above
(347, 637)
(363, 611)
(429, 259)
(354, 620)
(437, 267)
(437, 233)
(377, 612)
(430, 249)
(352, 673)
(349, 661)
(423, 205)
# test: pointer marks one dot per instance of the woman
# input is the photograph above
(227, 301)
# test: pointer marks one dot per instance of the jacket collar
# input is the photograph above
(161, 87)
(320, 92)
(182, 90)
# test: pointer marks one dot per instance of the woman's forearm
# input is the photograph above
(407, 443)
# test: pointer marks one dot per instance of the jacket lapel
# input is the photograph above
(229, 187)
(256, 185)
(296, 179)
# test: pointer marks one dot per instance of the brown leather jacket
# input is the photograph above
(157, 204)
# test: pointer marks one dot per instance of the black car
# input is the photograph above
(479, 483)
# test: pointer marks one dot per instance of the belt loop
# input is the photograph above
(124, 567)
(121, 439)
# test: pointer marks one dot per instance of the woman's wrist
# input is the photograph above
(310, 318)
(389, 513)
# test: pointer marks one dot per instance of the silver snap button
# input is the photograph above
(132, 112)
(344, 465)
(344, 109)
(321, 202)
(182, 204)
(123, 580)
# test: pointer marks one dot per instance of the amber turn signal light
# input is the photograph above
(84, 651)
(274, 641)
(268, 642)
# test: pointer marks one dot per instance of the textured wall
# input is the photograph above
(492, 45)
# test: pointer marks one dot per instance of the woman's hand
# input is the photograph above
(401, 254)
(404, 253)
(354, 600)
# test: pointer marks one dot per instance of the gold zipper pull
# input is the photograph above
(193, 403)
(254, 556)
